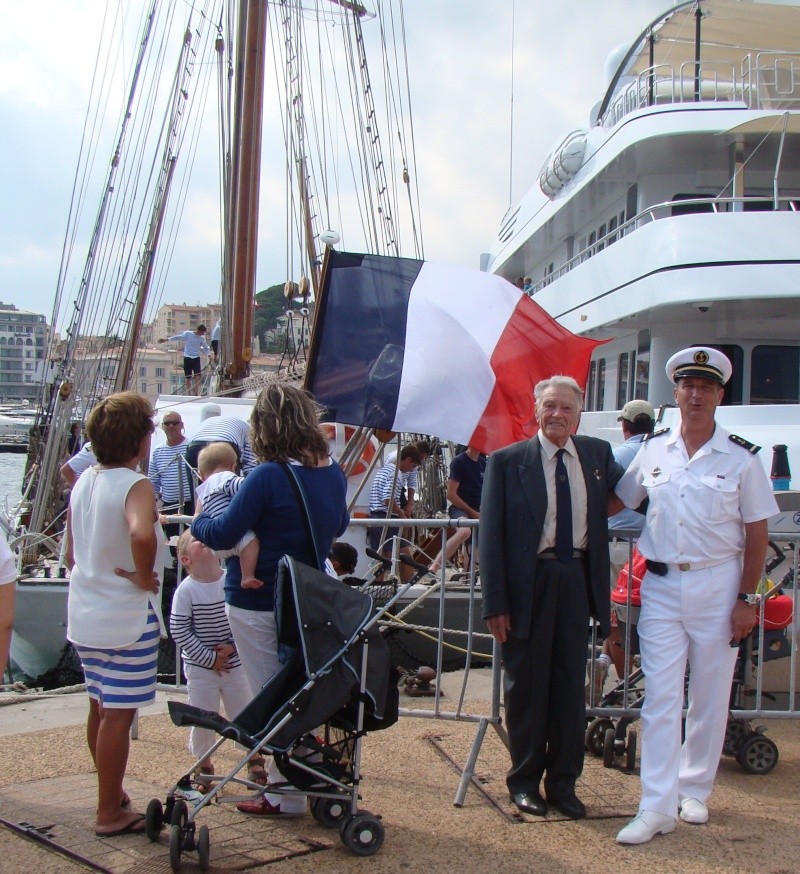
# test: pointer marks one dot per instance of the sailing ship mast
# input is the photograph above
(243, 202)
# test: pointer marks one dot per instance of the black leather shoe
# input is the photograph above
(569, 805)
(530, 802)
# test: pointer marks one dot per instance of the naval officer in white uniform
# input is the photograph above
(705, 539)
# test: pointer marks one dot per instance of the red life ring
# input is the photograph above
(339, 436)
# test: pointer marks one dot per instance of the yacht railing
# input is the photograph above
(766, 81)
(661, 211)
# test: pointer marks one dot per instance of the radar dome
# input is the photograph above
(613, 61)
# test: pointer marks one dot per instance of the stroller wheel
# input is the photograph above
(154, 819)
(329, 811)
(175, 847)
(630, 750)
(363, 834)
(737, 731)
(203, 847)
(758, 754)
(180, 813)
(608, 748)
(596, 734)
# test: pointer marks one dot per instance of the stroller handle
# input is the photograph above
(418, 566)
(374, 554)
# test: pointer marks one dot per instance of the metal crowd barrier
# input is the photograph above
(766, 688)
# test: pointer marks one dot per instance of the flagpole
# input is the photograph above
(317, 323)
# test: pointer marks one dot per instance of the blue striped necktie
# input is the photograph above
(563, 511)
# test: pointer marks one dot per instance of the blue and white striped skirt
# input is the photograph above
(123, 678)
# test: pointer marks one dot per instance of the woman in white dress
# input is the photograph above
(115, 548)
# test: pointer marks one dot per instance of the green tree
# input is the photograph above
(271, 305)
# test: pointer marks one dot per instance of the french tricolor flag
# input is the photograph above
(420, 347)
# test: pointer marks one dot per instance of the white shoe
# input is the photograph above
(694, 811)
(645, 826)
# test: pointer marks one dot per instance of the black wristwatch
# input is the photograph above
(749, 598)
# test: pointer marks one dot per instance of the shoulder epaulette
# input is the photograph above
(745, 444)
(658, 433)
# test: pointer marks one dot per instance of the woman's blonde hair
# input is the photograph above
(117, 425)
(284, 424)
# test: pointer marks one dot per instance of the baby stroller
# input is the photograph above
(337, 676)
(752, 749)
(612, 738)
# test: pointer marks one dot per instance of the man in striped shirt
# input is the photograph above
(384, 500)
(168, 472)
(194, 345)
(216, 428)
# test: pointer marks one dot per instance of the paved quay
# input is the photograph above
(47, 786)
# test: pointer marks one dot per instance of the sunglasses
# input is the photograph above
(170, 424)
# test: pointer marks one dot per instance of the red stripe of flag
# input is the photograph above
(532, 347)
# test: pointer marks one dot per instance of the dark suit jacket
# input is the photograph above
(513, 507)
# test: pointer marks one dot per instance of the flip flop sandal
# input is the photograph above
(200, 775)
(129, 828)
(256, 773)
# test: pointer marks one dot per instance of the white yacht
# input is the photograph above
(672, 219)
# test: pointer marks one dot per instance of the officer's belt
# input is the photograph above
(660, 568)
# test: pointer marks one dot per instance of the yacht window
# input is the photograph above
(631, 203)
(601, 384)
(622, 380)
(775, 375)
(687, 208)
(612, 226)
(591, 385)
(734, 387)
(642, 370)
(601, 232)
(763, 205)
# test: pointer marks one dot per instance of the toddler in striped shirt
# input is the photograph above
(199, 626)
(217, 464)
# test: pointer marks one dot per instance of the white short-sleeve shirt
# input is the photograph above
(697, 506)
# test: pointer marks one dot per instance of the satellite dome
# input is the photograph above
(614, 59)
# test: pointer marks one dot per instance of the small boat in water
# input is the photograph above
(677, 219)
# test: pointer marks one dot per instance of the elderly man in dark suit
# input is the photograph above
(544, 572)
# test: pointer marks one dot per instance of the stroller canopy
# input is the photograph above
(324, 618)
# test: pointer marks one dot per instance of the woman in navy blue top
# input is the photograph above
(284, 427)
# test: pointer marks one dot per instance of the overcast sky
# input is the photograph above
(460, 67)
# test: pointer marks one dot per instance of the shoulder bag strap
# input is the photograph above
(297, 488)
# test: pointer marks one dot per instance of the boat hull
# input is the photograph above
(40, 625)
(412, 648)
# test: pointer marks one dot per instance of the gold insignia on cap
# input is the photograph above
(701, 357)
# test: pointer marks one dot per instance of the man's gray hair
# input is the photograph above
(558, 381)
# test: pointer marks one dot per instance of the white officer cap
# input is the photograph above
(209, 410)
(636, 408)
(700, 361)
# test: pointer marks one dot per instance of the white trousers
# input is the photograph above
(206, 688)
(256, 636)
(685, 615)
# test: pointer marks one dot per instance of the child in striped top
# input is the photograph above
(200, 628)
(217, 464)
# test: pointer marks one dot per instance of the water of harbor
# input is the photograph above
(12, 466)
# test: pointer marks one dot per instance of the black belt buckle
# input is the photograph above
(658, 568)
